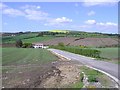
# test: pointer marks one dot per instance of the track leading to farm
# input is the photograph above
(108, 67)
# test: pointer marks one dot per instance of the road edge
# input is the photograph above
(112, 77)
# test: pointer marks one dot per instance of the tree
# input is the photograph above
(27, 45)
(19, 43)
(40, 34)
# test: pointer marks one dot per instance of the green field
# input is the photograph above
(38, 39)
(28, 38)
(110, 53)
(21, 56)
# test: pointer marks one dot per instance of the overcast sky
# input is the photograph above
(39, 16)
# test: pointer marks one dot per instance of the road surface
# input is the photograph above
(107, 67)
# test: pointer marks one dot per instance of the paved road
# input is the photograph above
(108, 67)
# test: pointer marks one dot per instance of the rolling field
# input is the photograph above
(29, 38)
(20, 56)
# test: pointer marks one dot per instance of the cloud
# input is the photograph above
(107, 27)
(2, 6)
(63, 20)
(31, 12)
(30, 7)
(91, 22)
(13, 12)
(88, 3)
(94, 22)
(58, 21)
(35, 14)
(106, 24)
(91, 13)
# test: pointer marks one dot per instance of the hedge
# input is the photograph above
(82, 51)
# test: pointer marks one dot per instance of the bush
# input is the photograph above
(40, 34)
(92, 78)
(19, 43)
(82, 51)
(27, 45)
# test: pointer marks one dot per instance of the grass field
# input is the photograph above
(38, 39)
(29, 38)
(110, 53)
(18, 56)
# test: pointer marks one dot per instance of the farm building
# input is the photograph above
(39, 45)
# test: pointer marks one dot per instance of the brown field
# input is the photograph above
(65, 40)
(92, 42)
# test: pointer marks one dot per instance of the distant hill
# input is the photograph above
(34, 36)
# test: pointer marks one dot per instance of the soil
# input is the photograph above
(57, 74)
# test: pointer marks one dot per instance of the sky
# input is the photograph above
(41, 16)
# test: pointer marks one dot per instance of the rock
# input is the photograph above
(6, 71)
(28, 80)
(19, 72)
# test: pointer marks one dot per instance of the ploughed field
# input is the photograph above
(90, 42)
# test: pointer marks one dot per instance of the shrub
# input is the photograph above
(92, 78)
(81, 51)
(19, 43)
(27, 45)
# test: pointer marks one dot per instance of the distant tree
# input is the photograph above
(19, 43)
(40, 34)
(27, 45)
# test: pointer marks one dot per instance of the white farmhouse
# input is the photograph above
(39, 45)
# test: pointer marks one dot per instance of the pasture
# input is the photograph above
(20, 56)
(110, 53)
